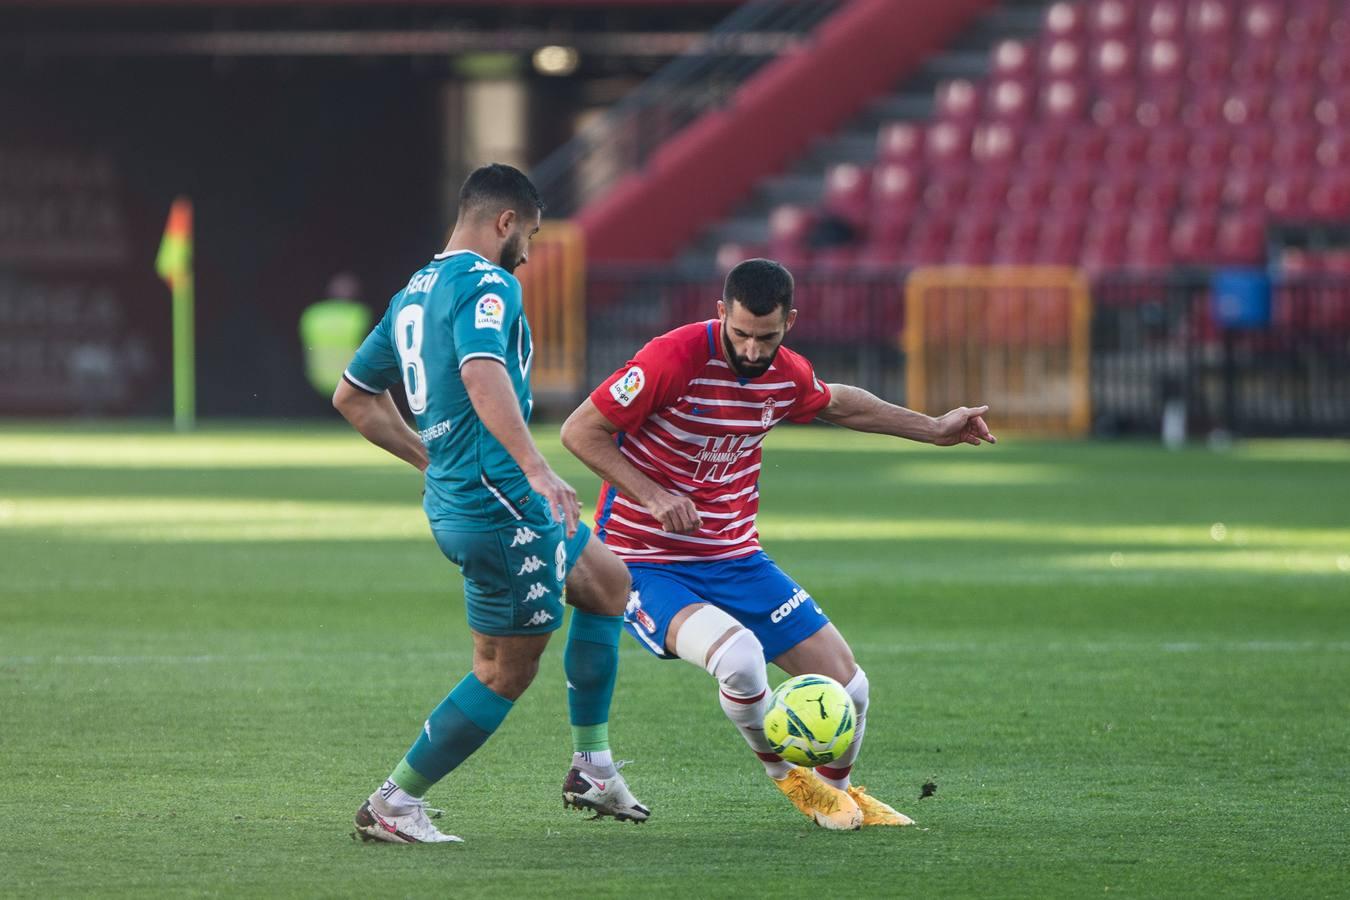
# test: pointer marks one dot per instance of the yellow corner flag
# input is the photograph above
(174, 265)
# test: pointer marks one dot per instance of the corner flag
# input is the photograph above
(174, 265)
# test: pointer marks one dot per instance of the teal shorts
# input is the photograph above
(514, 575)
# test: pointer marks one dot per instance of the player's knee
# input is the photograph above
(738, 665)
(857, 689)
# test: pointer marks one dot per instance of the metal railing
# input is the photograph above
(1153, 341)
(697, 81)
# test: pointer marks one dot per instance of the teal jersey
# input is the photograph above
(456, 308)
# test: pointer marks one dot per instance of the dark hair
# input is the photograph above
(760, 285)
(495, 187)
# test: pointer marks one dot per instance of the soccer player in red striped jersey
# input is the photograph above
(676, 433)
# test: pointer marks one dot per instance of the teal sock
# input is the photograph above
(454, 730)
(591, 662)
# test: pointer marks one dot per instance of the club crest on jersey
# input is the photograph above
(634, 612)
(490, 312)
(625, 390)
(766, 415)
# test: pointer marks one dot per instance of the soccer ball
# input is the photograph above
(810, 720)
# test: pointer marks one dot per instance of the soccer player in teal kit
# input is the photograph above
(457, 339)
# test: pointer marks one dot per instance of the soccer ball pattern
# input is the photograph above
(810, 720)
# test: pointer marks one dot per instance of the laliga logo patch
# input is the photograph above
(766, 415)
(629, 386)
(490, 312)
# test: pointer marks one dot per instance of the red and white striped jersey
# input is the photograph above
(689, 423)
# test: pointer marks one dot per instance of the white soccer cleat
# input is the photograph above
(603, 796)
(409, 828)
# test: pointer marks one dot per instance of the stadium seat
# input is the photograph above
(1194, 236)
(1241, 239)
(1011, 59)
(900, 142)
(957, 100)
(1064, 20)
(848, 193)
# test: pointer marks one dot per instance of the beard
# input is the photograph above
(742, 366)
(511, 256)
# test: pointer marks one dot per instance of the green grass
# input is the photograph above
(1127, 670)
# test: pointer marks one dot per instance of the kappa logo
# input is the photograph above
(491, 278)
(536, 591)
(796, 600)
(483, 265)
(530, 566)
(422, 282)
(489, 312)
(524, 537)
(540, 617)
(626, 389)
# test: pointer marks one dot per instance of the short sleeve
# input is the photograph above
(374, 368)
(813, 395)
(483, 319)
(652, 380)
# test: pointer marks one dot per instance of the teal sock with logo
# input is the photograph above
(591, 662)
(462, 722)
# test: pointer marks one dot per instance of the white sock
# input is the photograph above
(392, 800)
(743, 692)
(595, 762)
(837, 773)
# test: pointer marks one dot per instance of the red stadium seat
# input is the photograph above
(1209, 150)
(1015, 241)
(1063, 101)
(789, 224)
(1011, 59)
(1293, 104)
(1263, 21)
(1010, 99)
(1252, 148)
(1115, 105)
(1030, 192)
(1329, 199)
(1111, 18)
(1044, 146)
(1246, 106)
(1295, 148)
(1071, 190)
(1204, 108)
(1113, 61)
(948, 144)
(1114, 196)
(1064, 20)
(848, 189)
(1203, 189)
(1245, 189)
(1159, 194)
(1146, 243)
(1061, 240)
(1166, 18)
(994, 146)
(1161, 107)
(1162, 60)
(1086, 146)
(1193, 237)
(1287, 194)
(1126, 147)
(1209, 20)
(1242, 239)
(900, 142)
(957, 100)
(1167, 148)
(1062, 59)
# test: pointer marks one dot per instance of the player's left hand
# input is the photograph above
(963, 425)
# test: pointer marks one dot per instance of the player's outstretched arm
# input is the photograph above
(379, 421)
(859, 410)
(590, 438)
(494, 400)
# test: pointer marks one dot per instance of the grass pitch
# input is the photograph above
(1126, 670)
